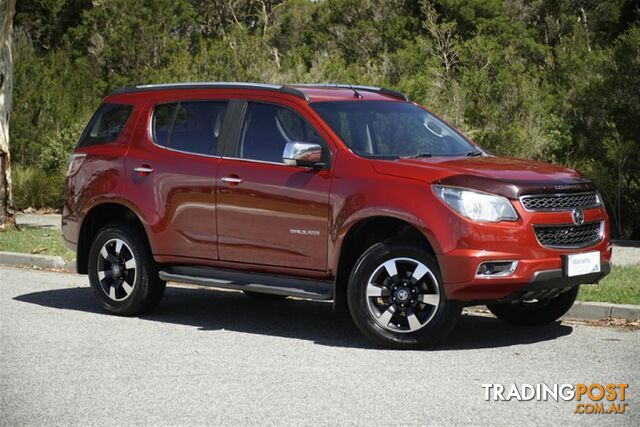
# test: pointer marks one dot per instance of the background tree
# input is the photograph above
(550, 80)
(7, 9)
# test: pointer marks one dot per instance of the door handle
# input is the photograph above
(231, 180)
(143, 170)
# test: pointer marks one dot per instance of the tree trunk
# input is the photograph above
(7, 9)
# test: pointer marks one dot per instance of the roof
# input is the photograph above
(308, 92)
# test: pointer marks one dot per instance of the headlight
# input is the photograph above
(477, 206)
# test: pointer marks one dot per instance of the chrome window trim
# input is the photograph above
(255, 161)
(580, 246)
(533, 196)
(190, 153)
(268, 163)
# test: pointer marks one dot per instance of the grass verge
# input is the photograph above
(41, 241)
(621, 286)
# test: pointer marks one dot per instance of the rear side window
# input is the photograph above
(162, 120)
(192, 127)
(106, 124)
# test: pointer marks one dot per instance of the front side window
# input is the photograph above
(192, 127)
(391, 129)
(268, 128)
(106, 124)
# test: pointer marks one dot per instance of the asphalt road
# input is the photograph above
(213, 357)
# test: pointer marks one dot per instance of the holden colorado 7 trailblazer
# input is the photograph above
(326, 192)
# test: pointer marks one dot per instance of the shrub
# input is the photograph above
(54, 154)
(35, 188)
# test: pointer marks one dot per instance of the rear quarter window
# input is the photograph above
(106, 124)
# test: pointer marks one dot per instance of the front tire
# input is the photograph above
(122, 273)
(532, 313)
(396, 297)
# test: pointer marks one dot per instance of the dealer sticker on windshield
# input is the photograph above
(584, 263)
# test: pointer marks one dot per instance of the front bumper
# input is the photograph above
(530, 275)
(549, 283)
(539, 268)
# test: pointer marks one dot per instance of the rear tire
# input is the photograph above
(396, 297)
(536, 313)
(122, 272)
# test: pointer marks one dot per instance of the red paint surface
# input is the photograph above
(191, 217)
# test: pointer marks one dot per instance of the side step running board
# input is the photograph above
(254, 282)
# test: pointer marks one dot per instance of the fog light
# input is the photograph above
(496, 268)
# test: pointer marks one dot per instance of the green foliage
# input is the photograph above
(52, 94)
(35, 188)
(553, 80)
(46, 21)
(124, 41)
(53, 156)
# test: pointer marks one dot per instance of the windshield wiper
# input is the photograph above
(474, 154)
(417, 155)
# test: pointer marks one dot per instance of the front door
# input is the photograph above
(269, 213)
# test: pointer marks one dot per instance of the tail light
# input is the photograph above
(75, 161)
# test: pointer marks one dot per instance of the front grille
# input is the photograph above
(569, 236)
(560, 202)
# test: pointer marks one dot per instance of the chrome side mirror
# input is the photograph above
(302, 154)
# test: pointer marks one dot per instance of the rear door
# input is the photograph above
(269, 213)
(172, 171)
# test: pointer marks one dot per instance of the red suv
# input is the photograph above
(327, 192)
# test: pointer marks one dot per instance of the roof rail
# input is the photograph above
(211, 85)
(381, 90)
(287, 88)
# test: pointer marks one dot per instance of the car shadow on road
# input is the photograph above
(211, 310)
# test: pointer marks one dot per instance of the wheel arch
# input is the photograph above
(361, 236)
(96, 218)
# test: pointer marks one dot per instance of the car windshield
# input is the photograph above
(391, 129)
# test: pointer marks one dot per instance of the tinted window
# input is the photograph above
(268, 128)
(162, 120)
(195, 125)
(391, 129)
(106, 124)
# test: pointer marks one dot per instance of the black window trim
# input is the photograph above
(231, 150)
(221, 138)
(94, 117)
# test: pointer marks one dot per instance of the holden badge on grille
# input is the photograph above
(578, 216)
